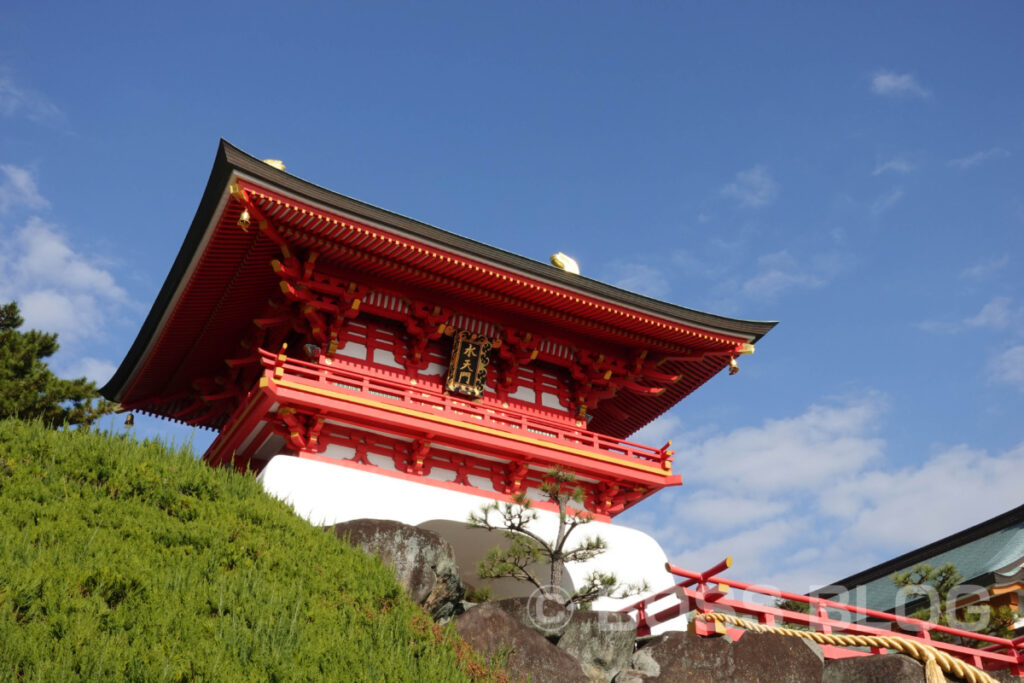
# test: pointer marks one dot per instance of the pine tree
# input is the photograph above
(982, 618)
(29, 390)
(527, 548)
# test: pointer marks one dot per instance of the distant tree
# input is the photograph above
(29, 390)
(794, 606)
(939, 583)
(527, 548)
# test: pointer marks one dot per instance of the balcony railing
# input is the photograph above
(346, 377)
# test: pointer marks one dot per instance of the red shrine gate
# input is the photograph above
(302, 322)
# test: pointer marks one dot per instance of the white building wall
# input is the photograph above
(326, 494)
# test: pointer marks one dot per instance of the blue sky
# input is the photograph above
(854, 172)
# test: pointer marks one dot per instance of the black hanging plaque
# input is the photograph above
(467, 371)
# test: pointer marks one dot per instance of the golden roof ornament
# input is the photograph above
(741, 350)
(276, 163)
(565, 262)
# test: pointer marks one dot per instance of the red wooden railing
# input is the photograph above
(380, 384)
(705, 592)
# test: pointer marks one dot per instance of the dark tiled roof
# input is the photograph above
(163, 354)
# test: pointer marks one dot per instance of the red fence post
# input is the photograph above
(642, 629)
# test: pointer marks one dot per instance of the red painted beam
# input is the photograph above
(465, 434)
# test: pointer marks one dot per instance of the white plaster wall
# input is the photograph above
(327, 494)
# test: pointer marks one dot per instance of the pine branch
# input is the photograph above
(527, 548)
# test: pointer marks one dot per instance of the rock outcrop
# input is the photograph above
(876, 669)
(492, 631)
(777, 658)
(423, 561)
(602, 641)
(681, 656)
(547, 617)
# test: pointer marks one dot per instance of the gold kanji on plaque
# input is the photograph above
(467, 371)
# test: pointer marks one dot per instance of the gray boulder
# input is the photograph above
(642, 666)
(547, 617)
(491, 631)
(778, 658)
(1003, 675)
(602, 641)
(755, 657)
(679, 656)
(423, 561)
(877, 668)
(885, 668)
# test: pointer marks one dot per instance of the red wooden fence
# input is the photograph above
(705, 592)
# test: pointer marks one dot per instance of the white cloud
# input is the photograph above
(690, 263)
(640, 278)
(972, 160)
(659, 432)
(18, 188)
(886, 201)
(807, 499)
(751, 548)
(16, 101)
(897, 165)
(949, 491)
(753, 187)
(996, 314)
(47, 258)
(780, 271)
(771, 283)
(981, 271)
(797, 453)
(890, 83)
(93, 369)
(717, 512)
(72, 316)
(57, 288)
(1008, 367)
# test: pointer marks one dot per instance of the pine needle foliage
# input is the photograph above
(527, 549)
(942, 583)
(29, 390)
(126, 560)
(794, 606)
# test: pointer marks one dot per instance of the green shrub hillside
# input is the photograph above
(128, 560)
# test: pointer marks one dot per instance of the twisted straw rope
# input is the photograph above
(935, 661)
